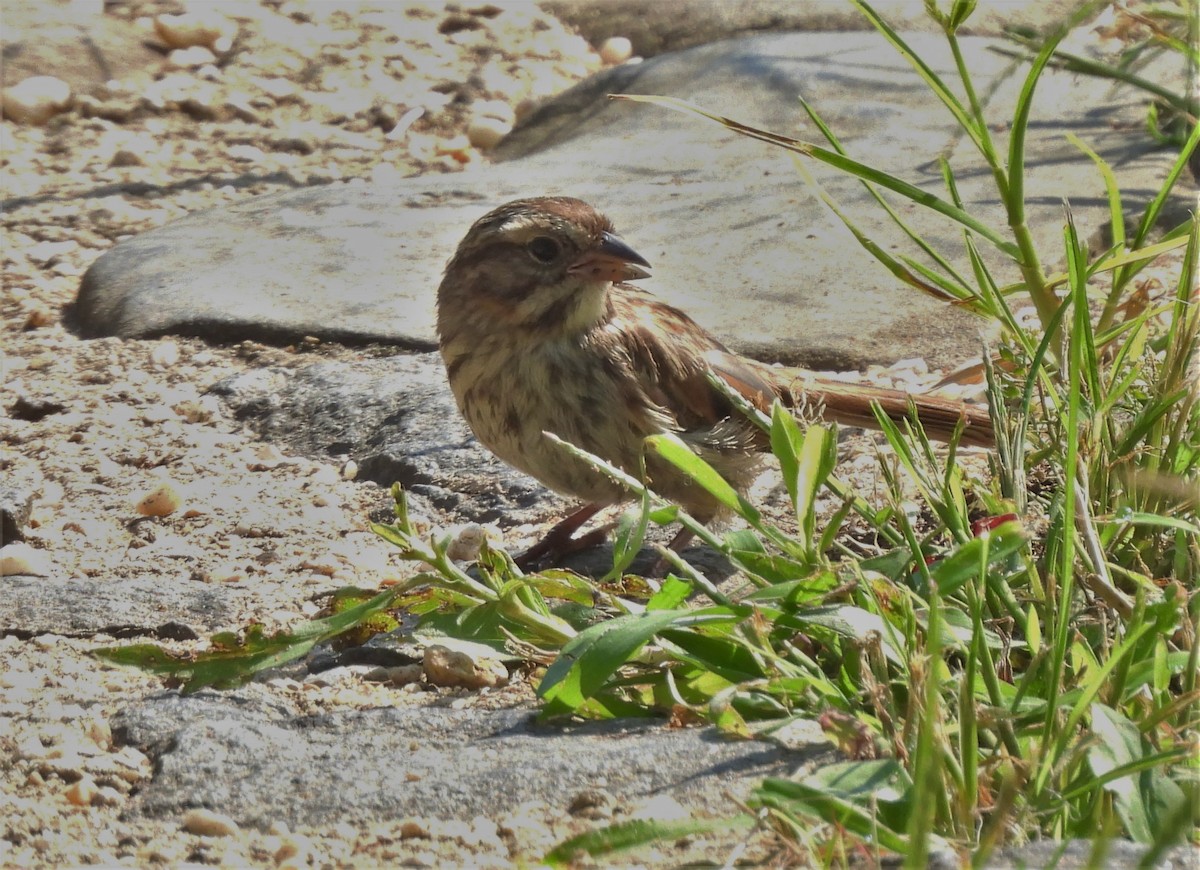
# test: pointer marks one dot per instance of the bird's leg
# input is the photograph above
(558, 542)
(682, 538)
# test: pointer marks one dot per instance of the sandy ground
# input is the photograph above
(291, 94)
(303, 93)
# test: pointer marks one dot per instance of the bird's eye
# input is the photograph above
(544, 249)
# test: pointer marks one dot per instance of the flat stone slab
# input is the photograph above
(735, 237)
(181, 609)
(248, 760)
(397, 419)
(669, 25)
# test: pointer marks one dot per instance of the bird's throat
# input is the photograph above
(573, 309)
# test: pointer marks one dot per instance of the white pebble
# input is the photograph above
(486, 132)
(615, 50)
(406, 121)
(468, 541)
(187, 58)
(36, 99)
(20, 558)
(349, 469)
(207, 823)
(165, 354)
(246, 154)
(164, 499)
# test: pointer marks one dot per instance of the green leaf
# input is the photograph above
(629, 537)
(852, 795)
(1015, 199)
(1143, 518)
(623, 836)
(671, 595)
(563, 584)
(723, 656)
(673, 449)
(797, 592)
(1142, 800)
(848, 621)
(591, 657)
(963, 564)
(233, 661)
(817, 458)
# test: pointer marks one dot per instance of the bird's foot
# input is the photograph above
(560, 540)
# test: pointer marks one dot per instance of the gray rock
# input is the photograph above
(1081, 854)
(671, 25)
(735, 237)
(231, 753)
(125, 608)
(397, 419)
(15, 507)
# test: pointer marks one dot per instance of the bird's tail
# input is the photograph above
(850, 405)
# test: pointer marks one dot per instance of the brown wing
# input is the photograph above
(673, 354)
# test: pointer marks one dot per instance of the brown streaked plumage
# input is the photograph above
(540, 331)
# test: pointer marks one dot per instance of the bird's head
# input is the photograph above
(545, 263)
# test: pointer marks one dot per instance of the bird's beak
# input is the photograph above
(611, 260)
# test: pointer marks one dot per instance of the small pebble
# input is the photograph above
(207, 823)
(126, 157)
(349, 469)
(192, 29)
(486, 132)
(468, 541)
(414, 830)
(161, 501)
(615, 50)
(20, 558)
(446, 667)
(83, 792)
(165, 354)
(36, 99)
(39, 316)
(188, 58)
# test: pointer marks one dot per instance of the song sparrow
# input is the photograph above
(541, 333)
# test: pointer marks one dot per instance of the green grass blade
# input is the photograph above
(931, 78)
(952, 278)
(1020, 125)
(839, 162)
(623, 836)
